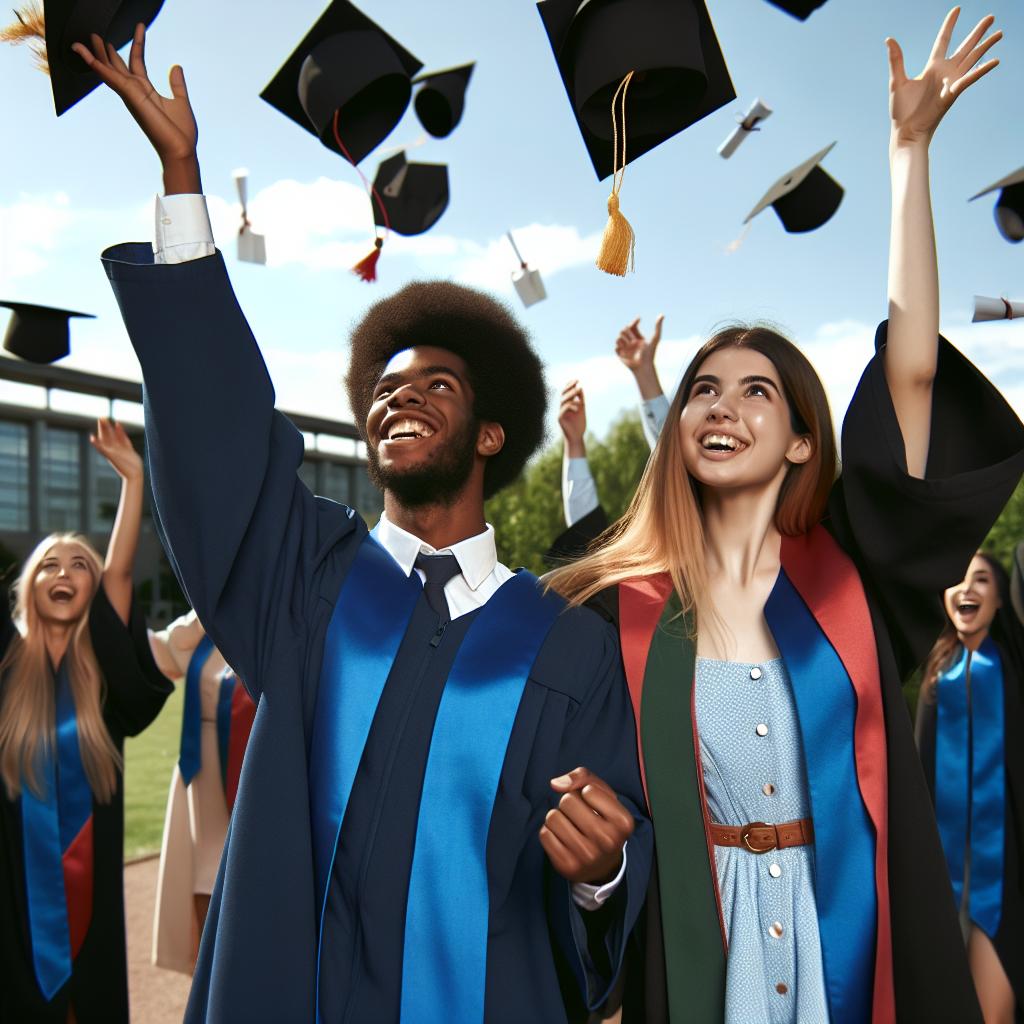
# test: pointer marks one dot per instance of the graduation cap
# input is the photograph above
(440, 101)
(1009, 209)
(805, 198)
(528, 284)
(348, 82)
(748, 123)
(252, 248)
(38, 333)
(679, 73)
(412, 196)
(801, 9)
(986, 309)
(64, 22)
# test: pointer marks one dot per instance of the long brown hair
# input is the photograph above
(663, 528)
(28, 708)
(944, 650)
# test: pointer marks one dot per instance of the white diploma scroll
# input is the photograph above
(528, 284)
(995, 309)
(252, 248)
(748, 123)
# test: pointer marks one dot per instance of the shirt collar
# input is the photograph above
(477, 556)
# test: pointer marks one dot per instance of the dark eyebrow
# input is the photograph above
(709, 378)
(427, 371)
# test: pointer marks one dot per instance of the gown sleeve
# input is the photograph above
(135, 688)
(911, 538)
(242, 532)
(602, 736)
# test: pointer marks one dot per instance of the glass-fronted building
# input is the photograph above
(53, 480)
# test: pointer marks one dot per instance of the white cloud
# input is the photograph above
(328, 225)
(30, 230)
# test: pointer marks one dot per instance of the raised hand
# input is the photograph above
(168, 123)
(114, 444)
(633, 349)
(917, 105)
(572, 418)
(584, 835)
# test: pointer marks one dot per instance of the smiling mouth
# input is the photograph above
(408, 430)
(62, 595)
(967, 609)
(724, 443)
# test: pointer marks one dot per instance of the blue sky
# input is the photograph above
(71, 186)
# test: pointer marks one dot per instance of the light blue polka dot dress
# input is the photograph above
(754, 771)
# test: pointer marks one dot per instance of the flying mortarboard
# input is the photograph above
(64, 22)
(252, 248)
(528, 284)
(1009, 209)
(412, 196)
(801, 9)
(805, 198)
(38, 333)
(350, 67)
(986, 309)
(440, 101)
(637, 72)
(748, 123)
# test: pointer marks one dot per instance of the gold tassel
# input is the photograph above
(29, 28)
(616, 255)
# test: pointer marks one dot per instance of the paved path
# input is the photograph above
(155, 996)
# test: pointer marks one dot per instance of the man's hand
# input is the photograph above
(169, 123)
(637, 353)
(572, 418)
(584, 835)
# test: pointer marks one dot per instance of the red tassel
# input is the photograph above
(366, 268)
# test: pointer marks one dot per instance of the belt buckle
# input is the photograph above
(745, 837)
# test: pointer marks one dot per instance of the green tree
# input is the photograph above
(1008, 531)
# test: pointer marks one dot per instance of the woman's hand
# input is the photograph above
(917, 105)
(637, 352)
(168, 123)
(114, 444)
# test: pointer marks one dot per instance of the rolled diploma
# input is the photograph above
(995, 309)
(758, 111)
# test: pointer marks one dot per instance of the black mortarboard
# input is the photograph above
(801, 9)
(805, 198)
(414, 195)
(679, 71)
(1009, 209)
(439, 103)
(38, 333)
(348, 64)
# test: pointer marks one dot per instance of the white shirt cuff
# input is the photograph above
(579, 492)
(590, 897)
(182, 229)
(653, 413)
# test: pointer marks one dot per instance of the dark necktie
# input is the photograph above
(438, 569)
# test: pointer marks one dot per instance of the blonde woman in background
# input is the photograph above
(76, 678)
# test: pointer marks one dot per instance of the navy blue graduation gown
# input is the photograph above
(263, 570)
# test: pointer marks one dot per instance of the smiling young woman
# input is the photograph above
(768, 609)
(970, 731)
(76, 678)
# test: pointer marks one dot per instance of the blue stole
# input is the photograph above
(844, 839)
(225, 697)
(970, 779)
(50, 824)
(444, 959)
(190, 753)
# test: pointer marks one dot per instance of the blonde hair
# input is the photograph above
(663, 528)
(28, 707)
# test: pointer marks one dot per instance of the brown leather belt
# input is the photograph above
(759, 837)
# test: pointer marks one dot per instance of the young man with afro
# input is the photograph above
(440, 813)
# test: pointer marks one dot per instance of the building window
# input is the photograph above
(14, 489)
(338, 482)
(106, 492)
(369, 502)
(61, 470)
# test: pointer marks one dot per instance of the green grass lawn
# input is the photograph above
(148, 762)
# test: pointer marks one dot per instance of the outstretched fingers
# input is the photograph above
(897, 70)
(941, 46)
(972, 76)
(978, 52)
(137, 54)
(972, 39)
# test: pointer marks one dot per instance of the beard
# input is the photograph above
(438, 479)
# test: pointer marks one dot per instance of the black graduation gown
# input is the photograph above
(264, 571)
(135, 691)
(1009, 938)
(908, 538)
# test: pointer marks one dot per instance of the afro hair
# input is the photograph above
(505, 374)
